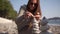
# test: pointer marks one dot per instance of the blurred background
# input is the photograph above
(50, 9)
(10, 8)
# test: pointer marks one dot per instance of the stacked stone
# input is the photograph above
(35, 28)
(44, 26)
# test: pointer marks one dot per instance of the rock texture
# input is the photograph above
(55, 29)
(7, 26)
(44, 27)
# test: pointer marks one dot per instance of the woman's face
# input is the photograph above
(33, 4)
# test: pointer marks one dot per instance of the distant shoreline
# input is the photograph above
(54, 24)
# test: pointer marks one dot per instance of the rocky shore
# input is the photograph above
(55, 29)
(10, 27)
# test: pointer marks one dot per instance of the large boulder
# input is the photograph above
(7, 26)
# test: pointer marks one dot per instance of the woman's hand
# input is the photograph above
(28, 14)
(37, 16)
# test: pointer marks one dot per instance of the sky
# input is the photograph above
(49, 8)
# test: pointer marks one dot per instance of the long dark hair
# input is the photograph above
(37, 9)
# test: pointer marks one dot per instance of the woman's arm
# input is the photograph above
(21, 21)
(20, 17)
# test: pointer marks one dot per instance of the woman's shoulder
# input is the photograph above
(22, 10)
(23, 7)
